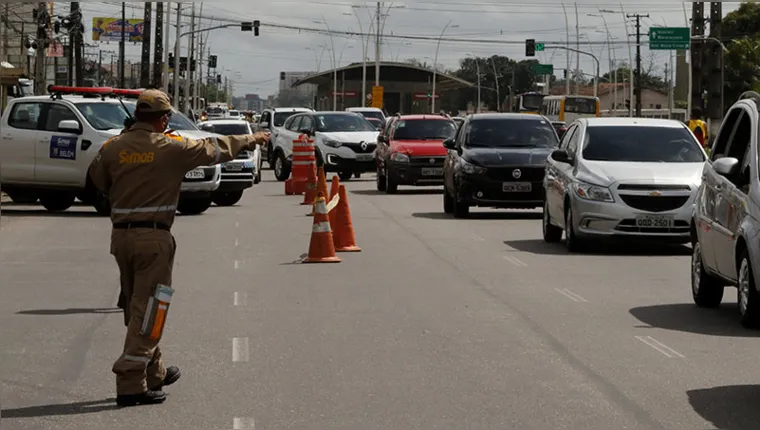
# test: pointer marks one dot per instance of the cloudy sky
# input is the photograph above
(254, 63)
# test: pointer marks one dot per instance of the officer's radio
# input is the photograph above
(156, 312)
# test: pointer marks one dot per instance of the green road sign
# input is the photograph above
(543, 69)
(669, 38)
(539, 46)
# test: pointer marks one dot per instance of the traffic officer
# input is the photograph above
(698, 127)
(142, 171)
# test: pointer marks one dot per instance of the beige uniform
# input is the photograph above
(142, 173)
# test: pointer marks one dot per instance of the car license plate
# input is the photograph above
(195, 174)
(432, 171)
(365, 157)
(654, 221)
(517, 187)
(233, 167)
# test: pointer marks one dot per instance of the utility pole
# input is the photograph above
(186, 95)
(43, 22)
(76, 33)
(122, 46)
(165, 61)
(70, 53)
(158, 48)
(638, 60)
(577, 51)
(145, 57)
(377, 46)
(198, 74)
(177, 68)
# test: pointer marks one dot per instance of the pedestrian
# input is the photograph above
(142, 171)
(698, 127)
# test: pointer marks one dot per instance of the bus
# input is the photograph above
(528, 102)
(570, 108)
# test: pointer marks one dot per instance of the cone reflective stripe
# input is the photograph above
(303, 158)
(334, 187)
(343, 236)
(321, 247)
(311, 186)
(321, 188)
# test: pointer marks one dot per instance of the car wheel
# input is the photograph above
(573, 243)
(448, 201)
(345, 176)
(391, 186)
(281, 167)
(270, 157)
(194, 206)
(552, 233)
(706, 290)
(57, 201)
(748, 297)
(461, 209)
(380, 180)
(228, 198)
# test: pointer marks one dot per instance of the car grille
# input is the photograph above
(244, 155)
(357, 147)
(655, 203)
(629, 226)
(208, 173)
(425, 161)
(643, 187)
(505, 174)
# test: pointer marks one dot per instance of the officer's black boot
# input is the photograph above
(172, 376)
(150, 397)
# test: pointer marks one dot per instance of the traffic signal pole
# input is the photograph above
(638, 60)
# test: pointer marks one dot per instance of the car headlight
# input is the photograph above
(399, 157)
(472, 169)
(592, 192)
(333, 143)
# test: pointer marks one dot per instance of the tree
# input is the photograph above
(524, 79)
(743, 22)
(648, 80)
(742, 67)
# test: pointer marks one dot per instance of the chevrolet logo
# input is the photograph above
(655, 194)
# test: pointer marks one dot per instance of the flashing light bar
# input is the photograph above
(127, 92)
(60, 89)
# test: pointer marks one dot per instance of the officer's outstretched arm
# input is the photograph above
(99, 173)
(215, 150)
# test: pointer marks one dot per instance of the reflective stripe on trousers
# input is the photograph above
(167, 208)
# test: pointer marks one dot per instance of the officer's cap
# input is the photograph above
(153, 101)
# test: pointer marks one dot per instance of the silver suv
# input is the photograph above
(271, 120)
(726, 222)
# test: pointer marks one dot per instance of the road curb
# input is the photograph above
(4, 198)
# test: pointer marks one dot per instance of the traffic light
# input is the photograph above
(246, 26)
(282, 76)
(256, 25)
(530, 48)
(212, 62)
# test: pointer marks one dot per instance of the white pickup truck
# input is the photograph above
(48, 142)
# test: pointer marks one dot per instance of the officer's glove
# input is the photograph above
(261, 138)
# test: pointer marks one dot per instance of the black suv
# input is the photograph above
(497, 160)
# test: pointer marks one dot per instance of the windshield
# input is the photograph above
(641, 144)
(280, 117)
(580, 105)
(177, 121)
(376, 122)
(343, 123)
(104, 116)
(532, 101)
(510, 133)
(215, 111)
(231, 129)
(234, 113)
(424, 129)
(372, 114)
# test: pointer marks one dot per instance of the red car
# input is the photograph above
(410, 151)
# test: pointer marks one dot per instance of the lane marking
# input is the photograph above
(237, 264)
(660, 347)
(571, 295)
(243, 423)
(240, 349)
(477, 238)
(516, 261)
(237, 224)
(236, 243)
(240, 299)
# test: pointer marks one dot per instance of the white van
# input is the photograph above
(369, 112)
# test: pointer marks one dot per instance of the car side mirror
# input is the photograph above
(264, 124)
(726, 166)
(70, 126)
(208, 128)
(561, 156)
(450, 143)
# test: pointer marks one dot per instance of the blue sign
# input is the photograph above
(63, 147)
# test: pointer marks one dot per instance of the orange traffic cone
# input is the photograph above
(321, 188)
(321, 247)
(334, 187)
(344, 240)
(311, 187)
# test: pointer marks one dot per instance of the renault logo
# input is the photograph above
(364, 145)
(432, 161)
(517, 174)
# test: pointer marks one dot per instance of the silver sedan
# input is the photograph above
(622, 177)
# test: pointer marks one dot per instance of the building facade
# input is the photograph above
(295, 96)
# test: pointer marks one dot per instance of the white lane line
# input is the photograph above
(240, 299)
(236, 243)
(571, 295)
(516, 261)
(237, 264)
(660, 347)
(243, 423)
(477, 238)
(237, 224)
(240, 349)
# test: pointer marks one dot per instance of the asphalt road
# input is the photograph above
(438, 323)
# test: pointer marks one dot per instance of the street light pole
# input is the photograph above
(435, 66)
(594, 57)
(365, 46)
(335, 66)
(496, 79)
(567, 57)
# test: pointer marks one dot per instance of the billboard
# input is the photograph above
(109, 29)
